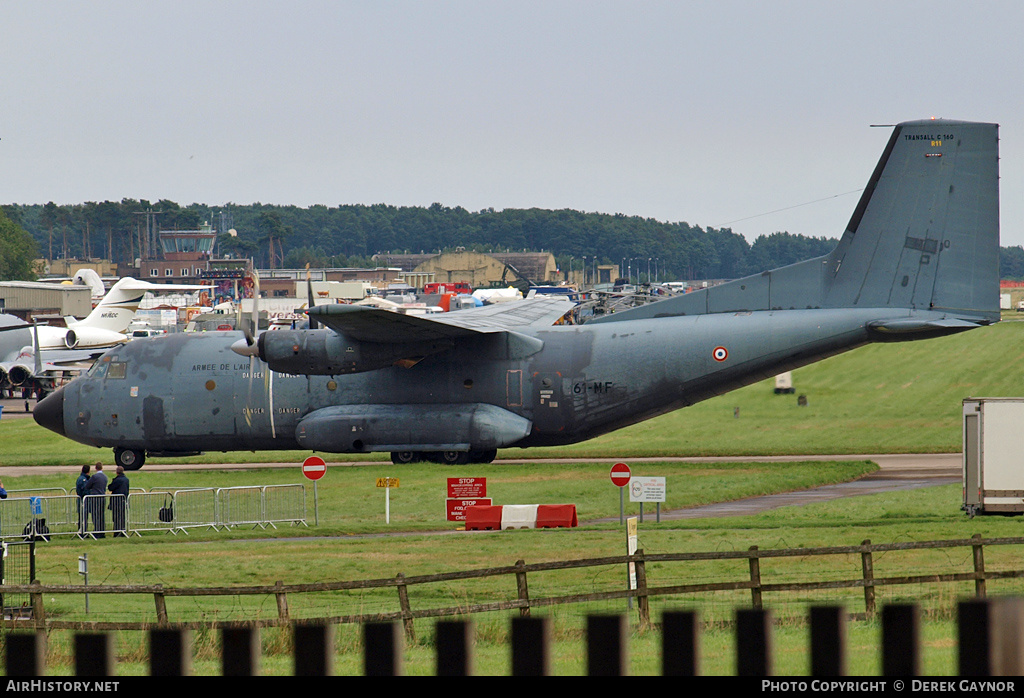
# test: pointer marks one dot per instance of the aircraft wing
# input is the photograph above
(10, 322)
(71, 357)
(45, 367)
(369, 324)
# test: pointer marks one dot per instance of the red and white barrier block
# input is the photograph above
(512, 516)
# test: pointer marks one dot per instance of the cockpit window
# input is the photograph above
(118, 369)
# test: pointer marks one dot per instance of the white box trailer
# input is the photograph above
(993, 460)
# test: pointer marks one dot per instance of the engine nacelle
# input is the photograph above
(328, 353)
(18, 374)
(445, 427)
(71, 339)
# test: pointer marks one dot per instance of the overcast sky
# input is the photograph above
(750, 115)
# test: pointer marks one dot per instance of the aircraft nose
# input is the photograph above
(49, 412)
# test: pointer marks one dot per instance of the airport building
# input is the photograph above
(42, 301)
(478, 269)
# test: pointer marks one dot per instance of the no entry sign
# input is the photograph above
(620, 474)
(314, 467)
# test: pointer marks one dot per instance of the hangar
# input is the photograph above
(30, 299)
(478, 269)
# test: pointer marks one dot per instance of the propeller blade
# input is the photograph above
(313, 324)
(255, 302)
(248, 401)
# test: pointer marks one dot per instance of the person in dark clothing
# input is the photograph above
(119, 504)
(97, 485)
(81, 491)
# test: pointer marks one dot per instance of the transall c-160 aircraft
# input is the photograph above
(918, 259)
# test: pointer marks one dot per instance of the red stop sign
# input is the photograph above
(314, 467)
(620, 474)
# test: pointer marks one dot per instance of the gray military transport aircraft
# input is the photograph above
(918, 259)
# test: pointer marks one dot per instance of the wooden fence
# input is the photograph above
(751, 579)
(989, 644)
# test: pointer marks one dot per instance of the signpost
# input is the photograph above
(620, 475)
(387, 483)
(456, 508)
(465, 492)
(467, 487)
(647, 489)
(83, 569)
(314, 468)
(631, 548)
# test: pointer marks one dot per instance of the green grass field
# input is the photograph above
(878, 399)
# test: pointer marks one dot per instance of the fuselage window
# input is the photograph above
(118, 369)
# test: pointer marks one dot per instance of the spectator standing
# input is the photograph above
(81, 491)
(119, 502)
(97, 485)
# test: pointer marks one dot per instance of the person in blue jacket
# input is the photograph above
(3, 492)
(119, 504)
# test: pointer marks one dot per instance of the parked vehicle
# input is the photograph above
(447, 287)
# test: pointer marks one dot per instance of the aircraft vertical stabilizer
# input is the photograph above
(924, 236)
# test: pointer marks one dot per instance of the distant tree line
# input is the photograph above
(349, 235)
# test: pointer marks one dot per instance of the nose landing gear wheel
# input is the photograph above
(129, 458)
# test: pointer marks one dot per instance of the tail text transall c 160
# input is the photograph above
(918, 259)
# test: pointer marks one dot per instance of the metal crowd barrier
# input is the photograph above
(38, 517)
(284, 504)
(194, 508)
(240, 505)
(103, 514)
(173, 511)
(144, 511)
(38, 491)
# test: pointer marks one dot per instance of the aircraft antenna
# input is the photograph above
(787, 208)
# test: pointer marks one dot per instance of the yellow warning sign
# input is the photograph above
(387, 482)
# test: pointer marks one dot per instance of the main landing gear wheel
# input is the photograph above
(129, 458)
(453, 457)
(483, 456)
(404, 457)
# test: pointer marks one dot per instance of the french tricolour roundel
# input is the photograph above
(720, 353)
